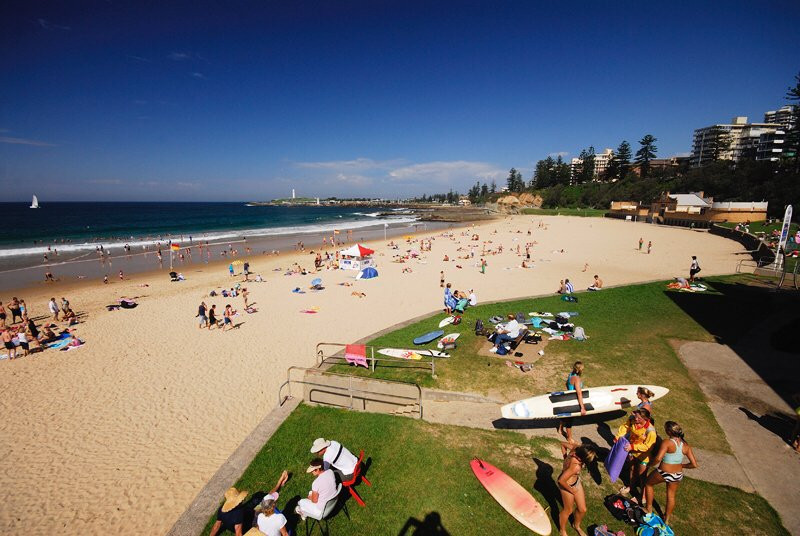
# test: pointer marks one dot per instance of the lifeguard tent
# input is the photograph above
(356, 257)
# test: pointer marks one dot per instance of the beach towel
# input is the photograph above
(356, 354)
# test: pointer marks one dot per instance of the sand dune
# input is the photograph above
(124, 431)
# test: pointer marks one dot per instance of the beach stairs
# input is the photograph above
(320, 387)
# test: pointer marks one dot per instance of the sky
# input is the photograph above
(234, 100)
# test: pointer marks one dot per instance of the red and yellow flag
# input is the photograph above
(175, 247)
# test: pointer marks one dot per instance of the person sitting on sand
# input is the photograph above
(669, 460)
(358, 294)
(70, 318)
(641, 436)
(598, 283)
(269, 520)
(323, 489)
(569, 484)
(47, 335)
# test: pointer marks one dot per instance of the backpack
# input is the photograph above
(569, 298)
(624, 509)
(579, 334)
(653, 525)
(479, 329)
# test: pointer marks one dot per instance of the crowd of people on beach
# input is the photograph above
(21, 336)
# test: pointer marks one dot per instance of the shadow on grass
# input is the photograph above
(755, 322)
(539, 424)
(547, 487)
(431, 525)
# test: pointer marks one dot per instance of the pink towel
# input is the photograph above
(356, 353)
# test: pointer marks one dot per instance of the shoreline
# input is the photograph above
(140, 417)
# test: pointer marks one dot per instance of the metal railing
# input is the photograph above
(353, 394)
(751, 263)
(338, 357)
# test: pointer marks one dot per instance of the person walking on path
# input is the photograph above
(569, 484)
(574, 383)
(53, 306)
(483, 266)
(694, 269)
(649, 246)
(641, 241)
(669, 460)
(212, 317)
(202, 319)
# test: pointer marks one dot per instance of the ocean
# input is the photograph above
(68, 234)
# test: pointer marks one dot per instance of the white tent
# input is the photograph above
(356, 257)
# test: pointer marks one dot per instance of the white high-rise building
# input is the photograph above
(734, 141)
(293, 193)
(601, 162)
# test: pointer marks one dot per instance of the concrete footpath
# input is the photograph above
(477, 412)
(747, 409)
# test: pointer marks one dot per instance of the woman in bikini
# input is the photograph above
(669, 460)
(569, 484)
(644, 395)
(574, 383)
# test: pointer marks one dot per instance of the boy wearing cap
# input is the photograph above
(336, 456)
(323, 489)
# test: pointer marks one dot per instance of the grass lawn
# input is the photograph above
(586, 212)
(762, 227)
(420, 473)
(630, 331)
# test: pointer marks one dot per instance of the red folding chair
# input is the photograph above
(352, 482)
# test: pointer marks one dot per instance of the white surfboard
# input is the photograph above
(411, 354)
(446, 321)
(452, 336)
(561, 404)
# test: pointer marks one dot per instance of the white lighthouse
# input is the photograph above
(292, 193)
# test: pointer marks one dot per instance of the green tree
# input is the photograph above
(484, 192)
(792, 149)
(588, 166)
(493, 187)
(622, 157)
(646, 153)
(514, 181)
(544, 173)
(561, 172)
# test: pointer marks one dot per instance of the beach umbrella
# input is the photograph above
(315, 282)
(367, 273)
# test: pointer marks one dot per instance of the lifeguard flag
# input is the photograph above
(175, 247)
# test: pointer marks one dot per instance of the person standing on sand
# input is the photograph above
(694, 269)
(53, 307)
(202, 319)
(649, 246)
(105, 279)
(227, 317)
(641, 241)
(212, 316)
(569, 484)
(121, 276)
(441, 279)
(483, 266)
(2, 315)
(245, 294)
(15, 310)
(7, 342)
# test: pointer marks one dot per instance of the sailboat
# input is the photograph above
(35, 202)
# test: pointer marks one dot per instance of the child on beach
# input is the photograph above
(649, 246)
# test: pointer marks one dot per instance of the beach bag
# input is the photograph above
(653, 525)
(502, 350)
(569, 298)
(479, 328)
(579, 334)
(624, 509)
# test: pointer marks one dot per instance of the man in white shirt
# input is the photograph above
(507, 332)
(336, 456)
(323, 489)
(570, 288)
(53, 306)
(473, 300)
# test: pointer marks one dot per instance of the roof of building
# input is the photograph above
(691, 200)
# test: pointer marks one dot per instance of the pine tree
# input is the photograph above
(646, 153)
(792, 149)
(493, 187)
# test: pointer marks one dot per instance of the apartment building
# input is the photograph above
(601, 163)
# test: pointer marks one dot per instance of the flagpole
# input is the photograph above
(170, 257)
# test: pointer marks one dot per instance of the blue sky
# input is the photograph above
(236, 100)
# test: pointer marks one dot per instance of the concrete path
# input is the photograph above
(194, 519)
(440, 408)
(746, 408)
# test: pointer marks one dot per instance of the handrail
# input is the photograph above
(406, 363)
(349, 389)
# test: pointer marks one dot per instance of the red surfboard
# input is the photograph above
(515, 499)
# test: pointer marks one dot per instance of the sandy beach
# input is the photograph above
(120, 434)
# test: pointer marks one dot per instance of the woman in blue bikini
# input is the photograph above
(669, 460)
